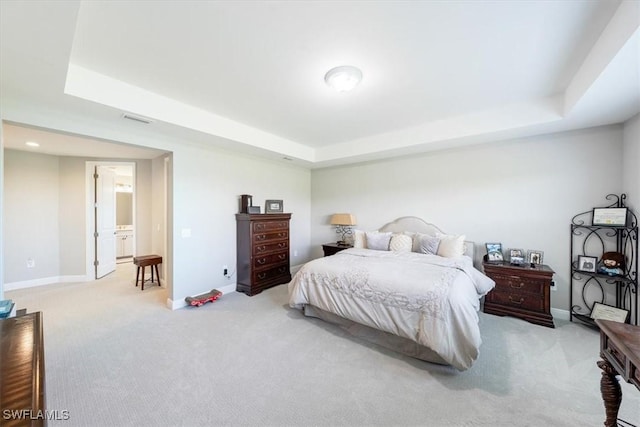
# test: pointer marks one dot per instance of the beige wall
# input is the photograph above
(631, 161)
(522, 193)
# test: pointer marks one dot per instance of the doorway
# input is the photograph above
(111, 229)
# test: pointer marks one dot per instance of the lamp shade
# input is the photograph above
(343, 219)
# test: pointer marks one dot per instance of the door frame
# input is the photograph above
(90, 211)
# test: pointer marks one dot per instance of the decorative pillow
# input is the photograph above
(359, 240)
(415, 238)
(378, 241)
(429, 244)
(401, 243)
(451, 246)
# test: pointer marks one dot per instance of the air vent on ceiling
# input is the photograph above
(139, 119)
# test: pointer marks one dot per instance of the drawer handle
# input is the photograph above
(282, 269)
(516, 302)
(262, 275)
(282, 234)
(261, 236)
(261, 248)
(513, 285)
(259, 226)
(262, 261)
(282, 224)
(282, 245)
(282, 256)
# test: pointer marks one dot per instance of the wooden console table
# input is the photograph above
(620, 351)
(22, 370)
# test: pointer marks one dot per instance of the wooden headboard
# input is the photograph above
(418, 225)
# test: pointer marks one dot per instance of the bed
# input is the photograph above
(406, 296)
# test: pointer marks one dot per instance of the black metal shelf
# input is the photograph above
(587, 288)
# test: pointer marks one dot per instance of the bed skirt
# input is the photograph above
(384, 339)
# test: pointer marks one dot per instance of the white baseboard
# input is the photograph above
(560, 314)
(44, 281)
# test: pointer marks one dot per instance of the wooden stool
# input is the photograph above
(147, 260)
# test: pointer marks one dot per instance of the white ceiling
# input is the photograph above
(249, 75)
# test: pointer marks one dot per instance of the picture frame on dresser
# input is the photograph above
(494, 252)
(535, 256)
(273, 206)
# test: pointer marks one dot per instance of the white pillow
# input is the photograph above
(401, 243)
(359, 240)
(429, 244)
(378, 241)
(451, 246)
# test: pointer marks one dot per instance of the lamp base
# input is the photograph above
(342, 243)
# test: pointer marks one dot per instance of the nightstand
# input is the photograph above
(522, 292)
(333, 248)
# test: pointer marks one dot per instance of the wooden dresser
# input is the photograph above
(22, 376)
(262, 251)
(522, 292)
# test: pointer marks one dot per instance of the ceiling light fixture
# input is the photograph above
(32, 144)
(343, 78)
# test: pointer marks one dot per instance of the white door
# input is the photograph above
(105, 218)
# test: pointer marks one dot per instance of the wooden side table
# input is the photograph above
(333, 248)
(147, 261)
(620, 352)
(521, 291)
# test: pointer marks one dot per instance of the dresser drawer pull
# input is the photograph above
(282, 269)
(261, 248)
(262, 275)
(282, 234)
(514, 301)
(259, 226)
(282, 256)
(262, 261)
(261, 236)
(282, 245)
(516, 285)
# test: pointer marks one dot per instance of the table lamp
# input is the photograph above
(343, 223)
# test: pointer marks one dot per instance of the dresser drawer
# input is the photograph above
(616, 357)
(265, 248)
(270, 236)
(270, 274)
(270, 260)
(519, 284)
(260, 226)
(522, 300)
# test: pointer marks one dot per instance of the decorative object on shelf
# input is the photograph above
(494, 252)
(535, 257)
(343, 223)
(607, 312)
(273, 206)
(253, 209)
(612, 217)
(612, 263)
(608, 233)
(516, 256)
(587, 263)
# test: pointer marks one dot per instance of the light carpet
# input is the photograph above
(116, 356)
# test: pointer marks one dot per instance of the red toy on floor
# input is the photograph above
(198, 300)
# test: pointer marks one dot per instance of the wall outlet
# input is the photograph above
(225, 270)
(553, 285)
(295, 252)
(31, 263)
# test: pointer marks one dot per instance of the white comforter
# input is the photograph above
(429, 299)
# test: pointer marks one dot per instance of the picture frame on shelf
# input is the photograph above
(273, 206)
(608, 312)
(587, 263)
(494, 252)
(611, 217)
(535, 257)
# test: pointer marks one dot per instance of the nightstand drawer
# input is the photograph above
(616, 356)
(508, 283)
(522, 300)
